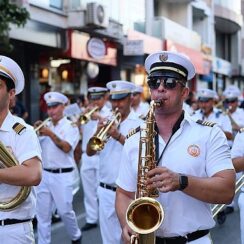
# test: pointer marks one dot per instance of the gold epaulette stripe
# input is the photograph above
(241, 130)
(18, 128)
(132, 132)
(206, 123)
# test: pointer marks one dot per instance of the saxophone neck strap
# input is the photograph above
(175, 128)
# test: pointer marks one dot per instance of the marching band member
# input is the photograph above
(208, 112)
(89, 166)
(21, 140)
(58, 140)
(237, 154)
(192, 171)
(139, 107)
(109, 158)
(236, 114)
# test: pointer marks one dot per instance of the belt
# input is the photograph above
(109, 187)
(182, 239)
(58, 171)
(13, 221)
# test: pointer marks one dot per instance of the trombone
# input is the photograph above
(42, 124)
(96, 143)
(84, 118)
(218, 207)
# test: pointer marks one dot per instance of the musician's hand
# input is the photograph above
(127, 234)
(114, 132)
(95, 116)
(45, 131)
(163, 179)
(37, 123)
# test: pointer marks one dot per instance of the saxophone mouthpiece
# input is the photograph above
(158, 103)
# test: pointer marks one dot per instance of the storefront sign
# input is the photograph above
(150, 44)
(96, 48)
(78, 49)
(133, 47)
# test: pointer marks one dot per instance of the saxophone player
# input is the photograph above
(21, 141)
(194, 167)
(109, 158)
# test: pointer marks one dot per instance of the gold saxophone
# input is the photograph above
(7, 160)
(145, 214)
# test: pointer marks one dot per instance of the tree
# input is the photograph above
(10, 13)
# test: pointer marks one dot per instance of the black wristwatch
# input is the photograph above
(183, 181)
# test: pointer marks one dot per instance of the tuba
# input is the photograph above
(7, 160)
(96, 143)
(145, 214)
(84, 118)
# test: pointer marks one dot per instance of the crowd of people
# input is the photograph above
(188, 161)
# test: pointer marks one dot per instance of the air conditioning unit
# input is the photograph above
(96, 15)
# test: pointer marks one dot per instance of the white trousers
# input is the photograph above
(109, 223)
(55, 188)
(21, 233)
(89, 178)
(241, 207)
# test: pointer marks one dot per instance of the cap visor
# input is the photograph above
(53, 104)
(167, 73)
(2, 74)
(118, 96)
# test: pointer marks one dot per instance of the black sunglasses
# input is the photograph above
(168, 83)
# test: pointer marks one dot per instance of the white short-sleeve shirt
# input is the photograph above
(195, 150)
(23, 146)
(237, 149)
(109, 157)
(52, 156)
(217, 117)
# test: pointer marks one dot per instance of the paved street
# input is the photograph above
(228, 233)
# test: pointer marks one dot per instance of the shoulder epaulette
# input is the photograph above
(241, 130)
(206, 123)
(18, 128)
(133, 132)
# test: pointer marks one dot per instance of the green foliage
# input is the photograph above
(10, 14)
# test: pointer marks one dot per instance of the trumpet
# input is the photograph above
(218, 207)
(42, 124)
(84, 118)
(96, 143)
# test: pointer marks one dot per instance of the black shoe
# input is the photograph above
(229, 210)
(88, 226)
(78, 241)
(221, 217)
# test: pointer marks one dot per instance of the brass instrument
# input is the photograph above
(145, 214)
(42, 124)
(218, 207)
(96, 143)
(6, 161)
(84, 118)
